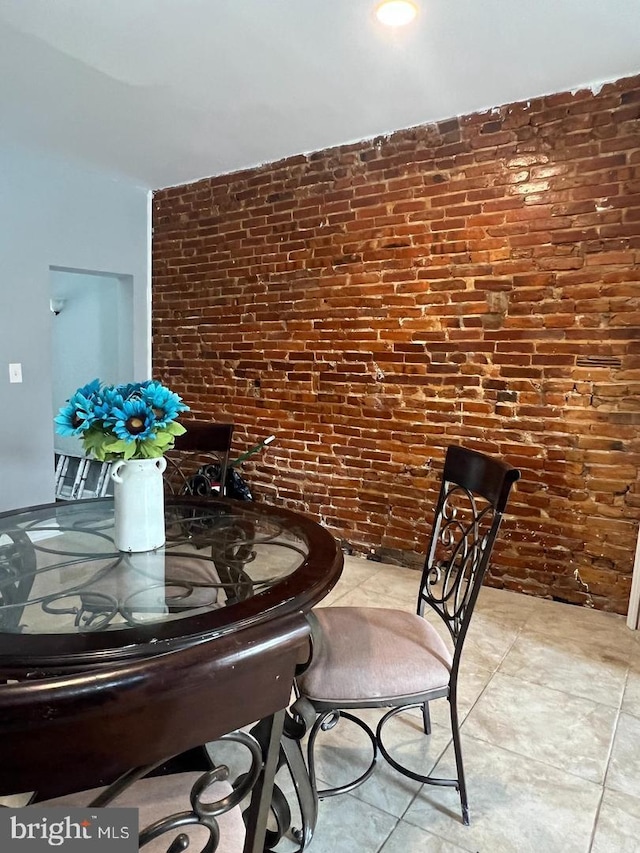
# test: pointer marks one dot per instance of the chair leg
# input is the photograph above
(457, 748)
(458, 782)
(426, 719)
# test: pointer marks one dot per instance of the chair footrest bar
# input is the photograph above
(325, 722)
(411, 774)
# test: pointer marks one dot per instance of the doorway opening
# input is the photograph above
(92, 335)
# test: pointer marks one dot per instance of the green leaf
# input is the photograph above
(174, 428)
(150, 449)
(96, 442)
(118, 446)
(98, 452)
(164, 440)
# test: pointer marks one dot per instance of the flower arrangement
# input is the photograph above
(134, 421)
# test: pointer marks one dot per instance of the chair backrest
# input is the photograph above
(199, 461)
(472, 499)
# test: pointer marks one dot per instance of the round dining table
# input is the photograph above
(142, 658)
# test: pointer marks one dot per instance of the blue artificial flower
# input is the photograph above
(134, 420)
(166, 405)
(66, 422)
(130, 390)
(90, 390)
(109, 400)
(77, 416)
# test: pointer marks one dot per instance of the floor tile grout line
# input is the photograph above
(615, 732)
(591, 642)
(596, 818)
(537, 761)
(511, 645)
(478, 697)
(457, 843)
(557, 690)
(569, 693)
(380, 848)
(608, 762)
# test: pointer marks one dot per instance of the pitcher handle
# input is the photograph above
(161, 463)
(115, 476)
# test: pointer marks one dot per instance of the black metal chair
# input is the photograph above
(366, 657)
(199, 461)
(197, 808)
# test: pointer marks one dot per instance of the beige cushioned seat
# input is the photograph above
(369, 653)
(161, 796)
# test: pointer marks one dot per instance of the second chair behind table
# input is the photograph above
(368, 657)
(203, 444)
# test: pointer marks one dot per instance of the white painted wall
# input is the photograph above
(53, 213)
(633, 613)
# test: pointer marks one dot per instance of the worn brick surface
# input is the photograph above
(474, 281)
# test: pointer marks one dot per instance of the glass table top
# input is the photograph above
(224, 562)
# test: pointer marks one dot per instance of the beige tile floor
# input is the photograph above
(550, 703)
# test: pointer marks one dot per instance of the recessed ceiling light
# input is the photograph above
(396, 13)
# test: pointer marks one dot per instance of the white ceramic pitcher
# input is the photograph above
(139, 504)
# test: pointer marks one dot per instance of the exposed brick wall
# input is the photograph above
(474, 281)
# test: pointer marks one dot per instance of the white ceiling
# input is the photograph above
(165, 91)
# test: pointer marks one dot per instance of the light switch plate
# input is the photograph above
(15, 372)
